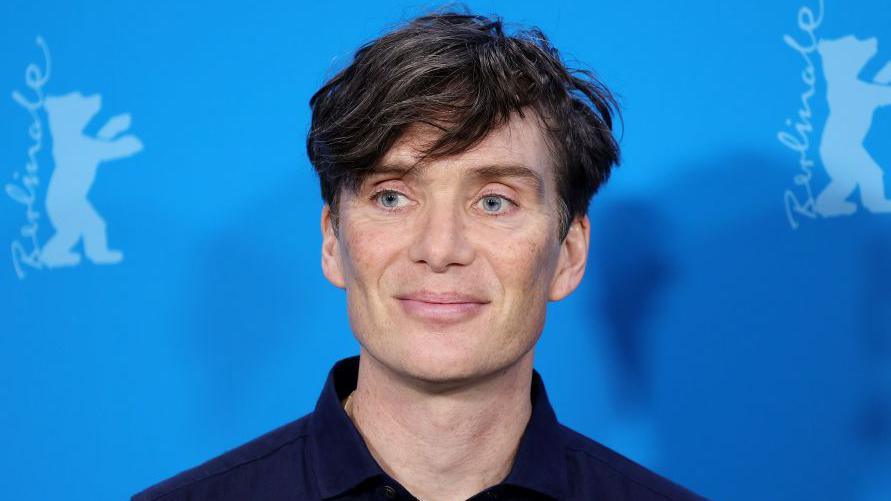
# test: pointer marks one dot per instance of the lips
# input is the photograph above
(442, 297)
(441, 307)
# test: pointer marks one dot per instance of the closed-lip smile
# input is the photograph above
(441, 307)
(441, 297)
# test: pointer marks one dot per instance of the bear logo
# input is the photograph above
(77, 157)
(852, 104)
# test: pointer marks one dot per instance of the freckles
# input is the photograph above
(534, 258)
(538, 262)
(359, 253)
(371, 247)
(351, 249)
(522, 263)
(525, 252)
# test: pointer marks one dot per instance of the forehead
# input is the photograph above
(519, 143)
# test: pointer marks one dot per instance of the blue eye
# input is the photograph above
(495, 204)
(388, 198)
(492, 203)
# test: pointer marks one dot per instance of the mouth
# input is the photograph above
(441, 308)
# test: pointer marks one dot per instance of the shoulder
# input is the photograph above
(272, 457)
(593, 467)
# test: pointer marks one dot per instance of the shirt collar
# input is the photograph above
(342, 460)
(540, 464)
(340, 456)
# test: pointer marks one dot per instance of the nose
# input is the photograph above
(441, 238)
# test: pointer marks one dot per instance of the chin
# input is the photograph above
(455, 353)
(439, 363)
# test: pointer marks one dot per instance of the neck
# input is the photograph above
(442, 445)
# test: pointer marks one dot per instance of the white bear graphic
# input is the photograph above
(852, 103)
(76, 157)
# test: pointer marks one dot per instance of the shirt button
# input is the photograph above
(389, 492)
(491, 495)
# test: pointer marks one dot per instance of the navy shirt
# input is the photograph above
(322, 456)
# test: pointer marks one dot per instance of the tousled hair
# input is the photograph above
(463, 75)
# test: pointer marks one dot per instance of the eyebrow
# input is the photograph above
(483, 173)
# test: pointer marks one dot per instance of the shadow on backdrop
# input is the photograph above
(255, 300)
(634, 272)
(742, 339)
(875, 425)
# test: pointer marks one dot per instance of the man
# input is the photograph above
(457, 163)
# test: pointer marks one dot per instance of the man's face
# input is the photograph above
(448, 268)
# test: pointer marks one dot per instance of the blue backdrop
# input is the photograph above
(733, 331)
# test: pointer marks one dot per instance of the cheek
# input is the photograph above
(524, 263)
(366, 251)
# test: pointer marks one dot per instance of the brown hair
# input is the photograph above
(462, 74)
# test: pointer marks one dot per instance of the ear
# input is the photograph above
(572, 260)
(331, 267)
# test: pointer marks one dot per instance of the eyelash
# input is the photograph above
(373, 197)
